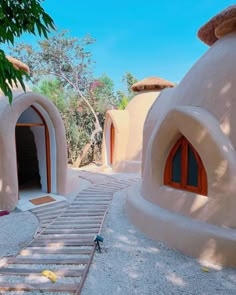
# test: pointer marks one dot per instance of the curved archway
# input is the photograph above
(109, 142)
(33, 143)
(217, 154)
(9, 117)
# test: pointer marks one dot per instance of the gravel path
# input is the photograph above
(131, 264)
(16, 231)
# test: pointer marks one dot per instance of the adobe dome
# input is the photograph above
(201, 111)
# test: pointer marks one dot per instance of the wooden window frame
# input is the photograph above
(202, 176)
(112, 143)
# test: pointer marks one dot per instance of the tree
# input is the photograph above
(17, 17)
(129, 80)
(125, 96)
(70, 61)
(77, 122)
(54, 91)
(103, 94)
(76, 115)
(123, 100)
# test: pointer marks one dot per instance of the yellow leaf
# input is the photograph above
(50, 275)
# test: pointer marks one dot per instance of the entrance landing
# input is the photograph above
(26, 197)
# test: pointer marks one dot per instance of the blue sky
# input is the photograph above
(146, 38)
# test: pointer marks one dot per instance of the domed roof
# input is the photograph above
(220, 25)
(17, 64)
(151, 83)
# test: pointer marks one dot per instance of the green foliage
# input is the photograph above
(54, 91)
(123, 100)
(75, 115)
(124, 97)
(102, 93)
(129, 80)
(20, 16)
(69, 60)
(16, 18)
(81, 98)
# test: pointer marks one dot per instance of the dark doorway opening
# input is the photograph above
(112, 143)
(27, 160)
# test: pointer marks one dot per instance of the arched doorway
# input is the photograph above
(112, 143)
(33, 150)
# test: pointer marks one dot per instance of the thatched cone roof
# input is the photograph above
(221, 24)
(151, 83)
(17, 64)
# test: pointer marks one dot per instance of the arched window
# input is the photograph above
(184, 169)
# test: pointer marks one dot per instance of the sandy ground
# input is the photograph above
(130, 264)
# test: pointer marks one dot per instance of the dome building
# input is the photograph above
(187, 197)
(123, 129)
(32, 145)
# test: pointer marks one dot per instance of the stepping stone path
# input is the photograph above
(64, 243)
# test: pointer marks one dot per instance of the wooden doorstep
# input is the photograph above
(66, 237)
(80, 219)
(49, 218)
(98, 189)
(49, 287)
(93, 200)
(51, 207)
(90, 206)
(50, 250)
(91, 203)
(25, 272)
(63, 243)
(69, 231)
(75, 261)
(94, 195)
(82, 210)
(79, 214)
(95, 192)
(75, 224)
(111, 186)
(85, 226)
(52, 214)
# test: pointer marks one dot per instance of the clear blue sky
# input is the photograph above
(146, 38)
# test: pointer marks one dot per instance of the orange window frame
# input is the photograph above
(112, 143)
(183, 185)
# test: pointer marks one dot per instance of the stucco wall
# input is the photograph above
(201, 108)
(128, 126)
(8, 166)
